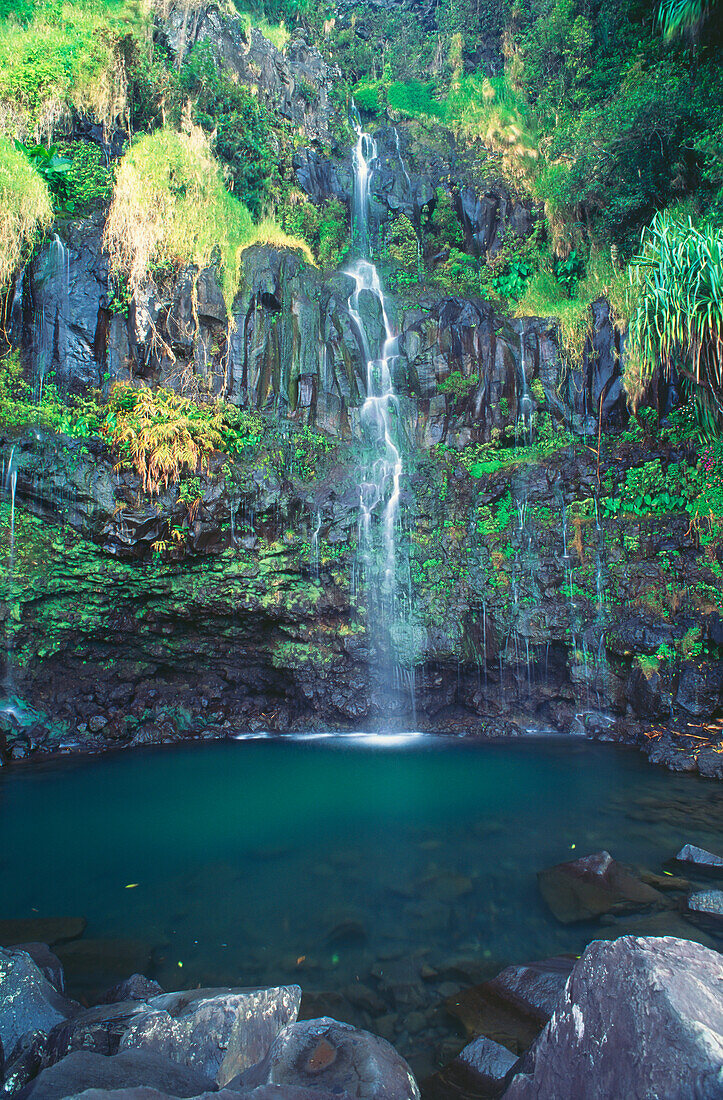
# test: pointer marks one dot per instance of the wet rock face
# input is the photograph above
(587, 887)
(66, 323)
(296, 83)
(135, 1069)
(660, 996)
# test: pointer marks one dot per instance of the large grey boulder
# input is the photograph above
(84, 1070)
(220, 1032)
(641, 1018)
(700, 860)
(335, 1057)
(28, 1002)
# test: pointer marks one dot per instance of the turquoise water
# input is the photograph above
(260, 861)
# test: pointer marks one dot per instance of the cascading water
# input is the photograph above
(381, 474)
(9, 485)
(51, 325)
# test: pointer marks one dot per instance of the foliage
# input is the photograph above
(25, 208)
(67, 56)
(170, 205)
(324, 226)
(161, 435)
(648, 490)
(89, 179)
(457, 387)
(239, 125)
(705, 494)
(511, 282)
(680, 18)
(491, 109)
(678, 320)
(52, 167)
(402, 243)
(77, 417)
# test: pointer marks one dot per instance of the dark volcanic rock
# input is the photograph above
(264, 1092)
(98, 1029)
(220, 1032)
(479, 1071)
(337, 1058)
(534, 988)
(84, 1070)
(640, 1017)
(28, 1002)
(592, 885)
(48, 962)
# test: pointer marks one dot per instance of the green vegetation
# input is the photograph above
(161, 435)
(678, 319)
(324, 226)
(170, 205)
(25, 208)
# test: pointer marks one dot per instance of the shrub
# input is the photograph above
(162, 435)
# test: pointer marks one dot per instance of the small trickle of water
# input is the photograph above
(524, 418)
(315, 547)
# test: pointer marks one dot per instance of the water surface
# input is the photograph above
(332, 861)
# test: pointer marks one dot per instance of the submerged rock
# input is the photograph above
(135, 988)
(47, 930)
(586, 888)
(480, 1070)
(705, 907)
(336, 1058)
(640, 1017)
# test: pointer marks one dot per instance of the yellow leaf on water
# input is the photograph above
(132, 885)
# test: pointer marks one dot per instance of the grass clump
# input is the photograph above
(67, 56)
(545, 295)
(25, 208)
(170, 206)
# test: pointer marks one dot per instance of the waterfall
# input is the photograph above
(524, 418)
(51, 325)
(381, 473)
(9, 484)
(315, 547)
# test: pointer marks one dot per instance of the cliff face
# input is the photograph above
(530, 603)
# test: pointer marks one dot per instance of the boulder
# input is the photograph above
(220, 1032)
(84, 1070)
(327, 1055)
(135, 988)
(511, 1008)
(705, 907)
(640, 1017)
(534, 988)
(480, 1070)
(698, 859)
(586, 888)
(99, 1029)
(48, 962)
(26, 1062)
(28, 1002)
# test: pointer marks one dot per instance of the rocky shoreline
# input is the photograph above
(657, 995)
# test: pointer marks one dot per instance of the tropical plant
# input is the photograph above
(162, 435)
(678, 319)
(678, 18)
(49, 163)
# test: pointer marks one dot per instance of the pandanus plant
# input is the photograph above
(677, 322)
